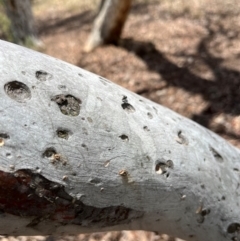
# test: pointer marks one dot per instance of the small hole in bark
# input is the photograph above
(205, 212)
(216, 155)
(162, 166)
(146, 128)
(63, 133)
(85, 146)
(49, 152)
(124, 137)
(150, 116)
(17, 91)
(42, 75)
(181, 139)
(54, 157)
(68, 104)
(233, 227)
(126, 106)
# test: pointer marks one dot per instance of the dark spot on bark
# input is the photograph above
(63, 133)
(80, 75)
(233, 227)
(205, 212)
(49, 201)
(202, 213)
(126, 106)
(216, 155)
(162, 167)
(68, 104)
(236, 169)
(146, 128)
(150, 116)
(42, 75)
(23, 72)
(49, 152)
(85, 146)
(124, 137)
(17, 91)
(89, 119)
(4, 136)
(54, 157)
(62, 87)
(181, 139)
(96, 181)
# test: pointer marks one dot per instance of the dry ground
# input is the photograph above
(182, 54)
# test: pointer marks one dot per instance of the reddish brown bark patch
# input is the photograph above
(28, 194)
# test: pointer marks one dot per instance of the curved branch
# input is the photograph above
(81, 154)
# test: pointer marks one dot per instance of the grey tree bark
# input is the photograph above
(22, 21)
(81, 154)
(109, 23)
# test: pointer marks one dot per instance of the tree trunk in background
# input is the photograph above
(109, 23)
(81, 154)
(22, 21)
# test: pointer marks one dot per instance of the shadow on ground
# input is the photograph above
(63, 25)
(222, 94)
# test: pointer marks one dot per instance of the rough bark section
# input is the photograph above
(109, 23)
(27, 194)
(117, 154)
(22, 21)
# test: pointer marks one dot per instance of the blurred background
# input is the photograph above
(182, 54)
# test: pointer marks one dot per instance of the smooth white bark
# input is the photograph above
(116, 159)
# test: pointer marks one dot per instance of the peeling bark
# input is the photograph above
(81, 154)
(108, 25)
